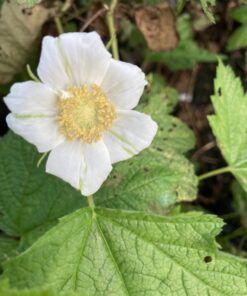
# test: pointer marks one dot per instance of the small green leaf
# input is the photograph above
(238, 39)
(206, 6)
(240, 14)
(158, 99)
(186, 54)
(158, 102)
(30, 198)
(107, 252)
(151, 181)
(229, 124)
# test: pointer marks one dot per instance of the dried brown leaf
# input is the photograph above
(158, 25)
(20, 28)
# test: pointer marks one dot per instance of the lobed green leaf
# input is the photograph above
(229, 124)
(31, 200)
(109, 252)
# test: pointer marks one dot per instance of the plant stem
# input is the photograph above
(214, 173)
(41, 159)
(111, 27)
(59, 25)
(90, 201)
(31, 74)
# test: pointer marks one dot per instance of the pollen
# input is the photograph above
(85, 113)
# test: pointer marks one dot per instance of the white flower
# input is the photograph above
(81, 110)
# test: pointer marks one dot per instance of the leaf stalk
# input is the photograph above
(90, 201)
(214, 173)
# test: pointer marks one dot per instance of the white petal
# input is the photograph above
(40, 131)
(131, 133)
(84, 166)
(31, 98)
(73, 59)
(65, 162)
(97, 167)
(124, 84)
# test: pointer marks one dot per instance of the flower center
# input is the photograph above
(85, 113)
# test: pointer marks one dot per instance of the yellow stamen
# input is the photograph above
(85, 113)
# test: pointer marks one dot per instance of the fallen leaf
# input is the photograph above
(158, 25)
(20, 28)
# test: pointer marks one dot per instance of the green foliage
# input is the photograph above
(207, 5)
(239, 14)
(151, 181)
(159, 101)
(230, 121)
(8, 248)
(107, 252)
(186, 54)
(31, 200)
(239, 37)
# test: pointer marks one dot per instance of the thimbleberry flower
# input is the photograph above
(80, 111)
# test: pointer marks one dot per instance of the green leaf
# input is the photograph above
(19, 30)
(229, 124)
(150, 181)
(158, 102)
(8, 248)
(186, 54)
(5, 290)
(239, 14)
(158, 99)
(30, 199)
(107, 252)
(206, 6)
(238, 39)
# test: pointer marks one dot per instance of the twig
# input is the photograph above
(203, 149)
(93, 18)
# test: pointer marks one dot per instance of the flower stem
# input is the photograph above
(214, 173)
(90, 201)
(41, 159)
(112, 31)
(59, 25)
(31, 74)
